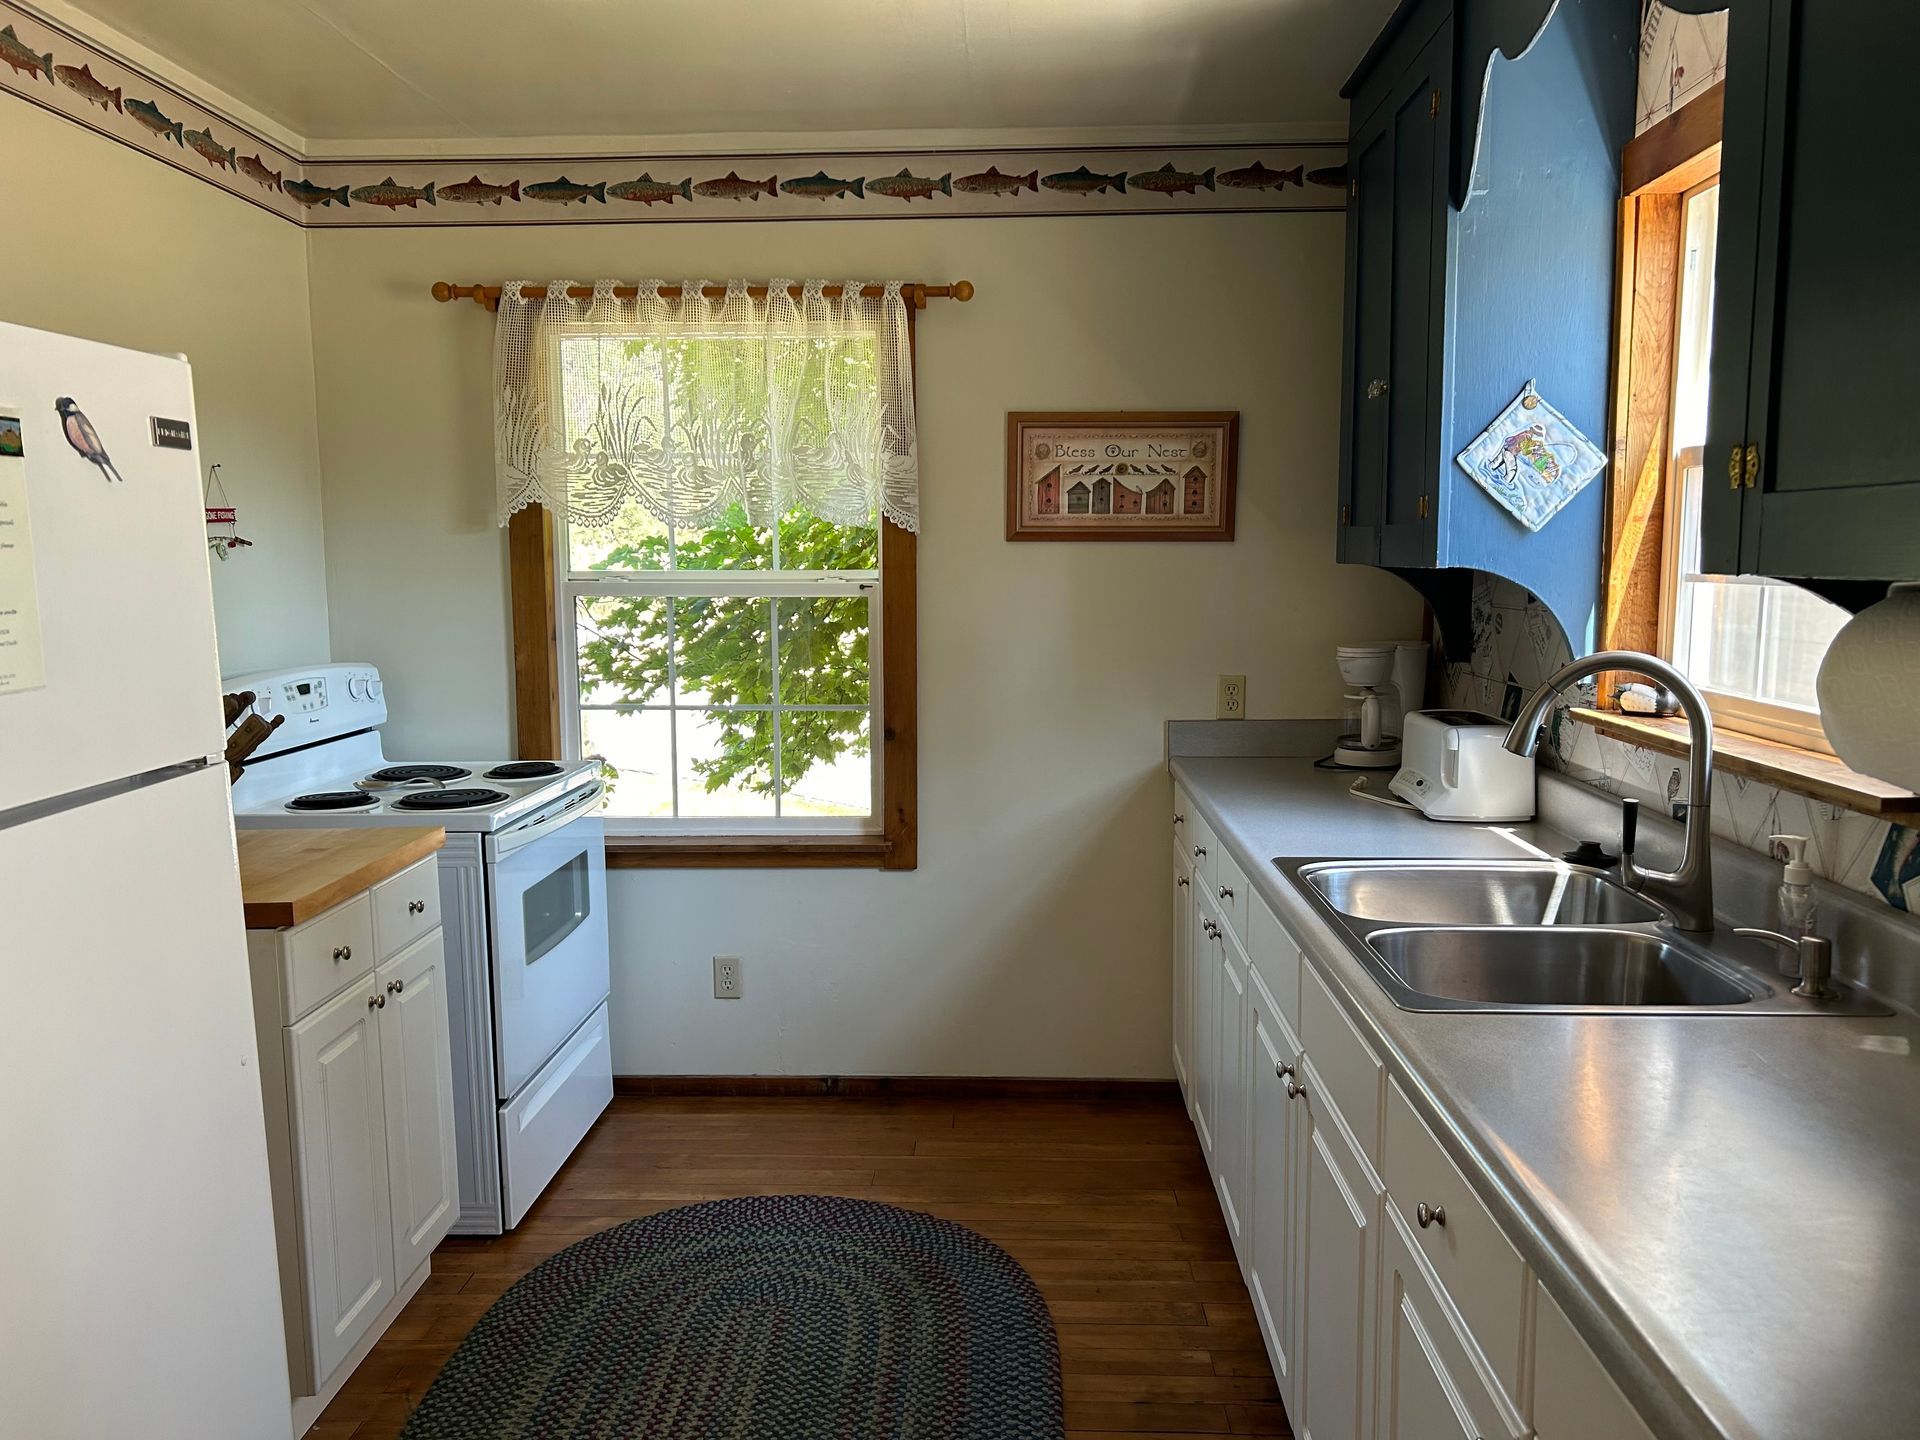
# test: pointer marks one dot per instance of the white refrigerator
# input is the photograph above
(139, 1293)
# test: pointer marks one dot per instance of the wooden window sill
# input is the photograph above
(751, 852)
(1805, 772)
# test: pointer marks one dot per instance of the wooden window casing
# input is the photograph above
(535, 588)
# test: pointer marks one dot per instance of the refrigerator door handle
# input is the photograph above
(105, 790)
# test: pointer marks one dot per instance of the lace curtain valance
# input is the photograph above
(691, 405)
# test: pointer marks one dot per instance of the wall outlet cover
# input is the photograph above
(726, 977)
(1231, 700)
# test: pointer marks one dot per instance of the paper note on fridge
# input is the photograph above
(21, 666)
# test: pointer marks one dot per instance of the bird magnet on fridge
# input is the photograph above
(223, 536)
(84, 439)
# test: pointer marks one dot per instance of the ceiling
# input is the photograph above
(362, 75)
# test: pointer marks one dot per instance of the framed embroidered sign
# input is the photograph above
(1121, 474)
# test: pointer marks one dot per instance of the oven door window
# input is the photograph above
(554, 906)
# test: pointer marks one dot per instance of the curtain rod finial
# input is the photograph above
(442, 291)
(963, 290)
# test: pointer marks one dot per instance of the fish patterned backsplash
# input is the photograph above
(1517, 643)
(55, 67)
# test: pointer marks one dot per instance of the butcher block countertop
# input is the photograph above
(289, 876)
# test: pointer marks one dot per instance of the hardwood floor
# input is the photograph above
(1107, 1204)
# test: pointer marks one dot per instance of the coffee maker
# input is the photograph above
(1388, 680)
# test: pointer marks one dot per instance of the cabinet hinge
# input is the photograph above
(1423, 507)
(1753, 465)
(1433, 105)
(1346, 514)
(1733, 469)
(1353, 189)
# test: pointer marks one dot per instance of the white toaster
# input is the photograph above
(1455, 765)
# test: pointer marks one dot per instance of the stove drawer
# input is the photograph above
(326, 954)
(406, 907)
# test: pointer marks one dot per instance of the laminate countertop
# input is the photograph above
(1723, 1205)
(289, 876)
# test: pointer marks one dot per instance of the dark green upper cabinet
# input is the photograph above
(1482, 210)
(1813, 430)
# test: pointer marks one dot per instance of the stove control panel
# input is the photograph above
(302, 697)
(317, 703)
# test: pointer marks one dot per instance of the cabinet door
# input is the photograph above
(417, 1069)
(1336, 1212)
(1204, 969)
(1398, 217)
(1230, 1086)
(340, 1137)
(1834, 301)
(1426, 1386)
(1182, 981)
(1270, 1155)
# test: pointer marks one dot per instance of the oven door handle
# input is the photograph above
(544, 822)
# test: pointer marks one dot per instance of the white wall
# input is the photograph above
(99, 241)
(1033, 940)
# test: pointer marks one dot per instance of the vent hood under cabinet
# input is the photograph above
(1482, 219)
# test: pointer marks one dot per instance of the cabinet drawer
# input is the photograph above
(406, 907)
(1275, 957)
(1350, 1071)
(1230, 889)
(327, 952)
(1482, 1273)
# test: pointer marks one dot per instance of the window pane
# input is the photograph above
(726, 762)
(1801, 625)
(823, 651)
(622, 650)
(723, 648)
(637, 746)
(730, 543)
(631, 540)
(809, 543)
(826, 768)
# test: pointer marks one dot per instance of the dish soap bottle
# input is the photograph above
(1796, 900)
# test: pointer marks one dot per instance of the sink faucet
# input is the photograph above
(1687, 893)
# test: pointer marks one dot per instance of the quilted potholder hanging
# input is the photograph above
(1531, 459)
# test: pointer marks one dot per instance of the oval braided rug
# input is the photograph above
(781, 1317)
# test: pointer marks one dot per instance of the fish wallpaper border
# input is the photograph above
(56, 68)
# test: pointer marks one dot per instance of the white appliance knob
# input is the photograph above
(375, 688)
(356, 687)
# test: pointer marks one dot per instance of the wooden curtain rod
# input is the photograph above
(488, 296)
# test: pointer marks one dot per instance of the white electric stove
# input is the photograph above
(523, 904)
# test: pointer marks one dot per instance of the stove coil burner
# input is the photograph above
(332, 800)
(469, 798)
(525, 770)
(404, 773)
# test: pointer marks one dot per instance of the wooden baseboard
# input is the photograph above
(941, 1087)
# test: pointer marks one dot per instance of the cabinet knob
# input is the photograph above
(1375, 389)
(1181, 882)
(416, 907)
(1282, 1070)
(342, 952)
(1179, 819)
(1226, 892)
(394, 987)
(1429, 1215)
(373, 1000)
(1295, 1089)
(1199, 852)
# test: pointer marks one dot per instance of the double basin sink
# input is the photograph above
(1541, 935)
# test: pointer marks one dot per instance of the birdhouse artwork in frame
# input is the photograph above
(1121, 474)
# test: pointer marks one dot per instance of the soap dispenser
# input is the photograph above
(1796, 900)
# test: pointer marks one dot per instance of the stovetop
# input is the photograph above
(313, 788)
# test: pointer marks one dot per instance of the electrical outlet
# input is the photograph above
(1231, 703)
(726, 977)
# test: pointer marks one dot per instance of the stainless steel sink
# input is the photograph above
(1539, 936)
(1439, 892)
(1557, 966)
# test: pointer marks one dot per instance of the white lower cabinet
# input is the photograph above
(1273, 1057)
(357, 1075)
(1391, 1304)
(1427, 1387)
(1336, 1220)
(417, 1068)
(340, 1135)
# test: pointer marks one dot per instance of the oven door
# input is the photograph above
(547, 911)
